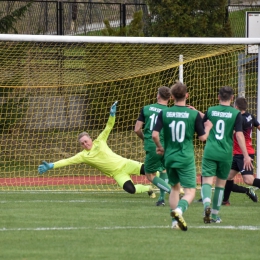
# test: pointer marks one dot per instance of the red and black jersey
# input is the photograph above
(249, 121)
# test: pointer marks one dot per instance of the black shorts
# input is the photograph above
(238, 163)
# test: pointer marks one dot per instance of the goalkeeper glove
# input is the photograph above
(113, 109)
(44, 167)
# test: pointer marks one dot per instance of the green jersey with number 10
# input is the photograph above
(179, 125)
(225, 120)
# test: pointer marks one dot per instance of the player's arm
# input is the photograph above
(44, 167)
(110, 123)
(193, 108)
(241, 142)
(202, 130)
(256, 123)
(156, 134)
(139, 125)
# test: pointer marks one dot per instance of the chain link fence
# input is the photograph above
(70, 18)
(87, 18)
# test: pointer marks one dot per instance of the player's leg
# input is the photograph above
(162, 175)
(187, 179)
(209, 168)
(247, 175)
(249, 179)
(124, 180)
(127, 184)
(222, 175)
(217, 200)
(176, 214)
(153, 163)
(230, 182)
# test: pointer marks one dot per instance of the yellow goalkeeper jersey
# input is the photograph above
(100, 156)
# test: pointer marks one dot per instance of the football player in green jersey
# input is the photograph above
(98, 155)
(217, 155)
(179, 124)
(143, 128)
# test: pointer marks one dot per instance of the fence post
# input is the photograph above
(122, 15)
(60, 18)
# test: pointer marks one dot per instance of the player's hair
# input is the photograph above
(83, 134)
(179, 90)
(241, 103)
(225, 93)
(164, 93)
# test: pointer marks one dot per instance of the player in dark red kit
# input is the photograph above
(249, 122)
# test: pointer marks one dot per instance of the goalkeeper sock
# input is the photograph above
(206, 194)
(161, 184)
(217, 201)
(139, 188)
(163, 176)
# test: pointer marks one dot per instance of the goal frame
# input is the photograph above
(150, 40)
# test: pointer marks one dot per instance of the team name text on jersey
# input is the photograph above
(221, 114)
(178, 114)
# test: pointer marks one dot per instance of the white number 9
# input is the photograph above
(220, 129)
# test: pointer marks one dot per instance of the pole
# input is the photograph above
(181, 68)
(258, 115)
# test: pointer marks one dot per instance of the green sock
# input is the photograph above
(206, 193)
(163, 176)
(161, 184)
(139, 188)
(217, 201)
(183, 205)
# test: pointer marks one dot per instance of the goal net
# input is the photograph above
(54, 87)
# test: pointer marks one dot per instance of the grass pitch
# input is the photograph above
(103, 225)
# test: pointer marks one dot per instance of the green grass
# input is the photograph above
(91, 225)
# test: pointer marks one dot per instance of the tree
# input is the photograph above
(188, 18)
(7, 22)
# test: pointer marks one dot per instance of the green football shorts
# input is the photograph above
(216, 168)
(153, 162)
(185, 176)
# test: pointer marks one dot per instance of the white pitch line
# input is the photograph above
(248, 228)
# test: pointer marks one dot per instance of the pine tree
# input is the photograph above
(7, 23)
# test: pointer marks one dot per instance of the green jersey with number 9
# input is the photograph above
(225, 120)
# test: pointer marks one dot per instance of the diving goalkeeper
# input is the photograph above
(98, 155)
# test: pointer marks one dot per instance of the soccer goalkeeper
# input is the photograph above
(98, 155)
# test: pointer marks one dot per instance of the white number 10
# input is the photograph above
(178, 131)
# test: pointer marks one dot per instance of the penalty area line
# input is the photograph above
(247, 228)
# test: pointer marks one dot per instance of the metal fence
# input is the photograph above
(70, 18)
(87, 18)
